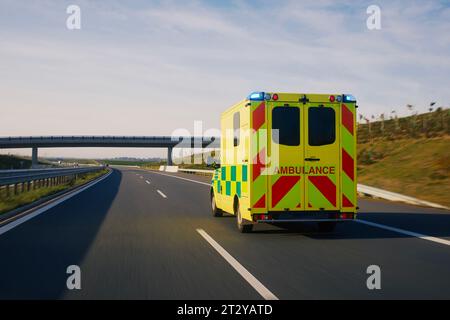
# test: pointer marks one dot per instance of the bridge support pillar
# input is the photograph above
(169, 156)
(34, 158)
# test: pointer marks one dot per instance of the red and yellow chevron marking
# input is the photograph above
(286, 192)
(347, 118)
(261, 203)
(259, 182)
(259, 116)
(348, 164)
(326, 187)
(259, 163)
(347, 157)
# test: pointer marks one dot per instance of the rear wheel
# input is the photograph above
(242, 226)
(215, 211)
(327, 226)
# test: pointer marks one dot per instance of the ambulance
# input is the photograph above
(287, 157)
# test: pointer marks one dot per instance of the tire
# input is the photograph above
(216, 212)
(327, 226)
(243, 228)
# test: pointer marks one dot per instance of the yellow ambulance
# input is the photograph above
(287, 157)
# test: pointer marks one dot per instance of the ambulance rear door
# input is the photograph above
(321, 156)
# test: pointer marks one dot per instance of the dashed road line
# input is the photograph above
(161, 194)
(181, 178)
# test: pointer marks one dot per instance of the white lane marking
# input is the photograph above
(409, 233)
(255, 283)
(162, 194)
(168, 175)
(37, 212)
(147, 182)
(141, 177)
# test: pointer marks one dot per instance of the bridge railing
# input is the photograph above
(109, 141)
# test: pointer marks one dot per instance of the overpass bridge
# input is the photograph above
(169, 142)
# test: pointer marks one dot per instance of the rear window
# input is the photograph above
(321, 126)
(287, 121)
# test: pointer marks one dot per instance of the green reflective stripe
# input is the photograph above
(233, 173)
(223, 174)
(238, 189)
(244, 173)
(231, 181)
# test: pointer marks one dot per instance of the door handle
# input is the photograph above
(312, 159)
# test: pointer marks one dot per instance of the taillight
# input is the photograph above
(261, 217)
(275, 97)
(332, 98)
(346, 215)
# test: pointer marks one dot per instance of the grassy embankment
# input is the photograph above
(409, 155)
(14, 201)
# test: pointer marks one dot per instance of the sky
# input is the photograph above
(153, 67)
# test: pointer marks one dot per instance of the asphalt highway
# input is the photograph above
(150, 235)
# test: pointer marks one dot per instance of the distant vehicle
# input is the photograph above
(287, 157)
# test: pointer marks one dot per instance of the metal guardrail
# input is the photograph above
(14, 172)
(10, 177)
(392, 196)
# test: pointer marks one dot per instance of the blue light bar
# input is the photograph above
(349, 98)
(256, 96)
